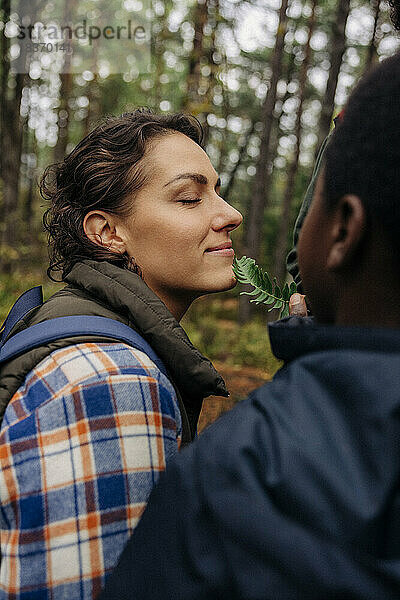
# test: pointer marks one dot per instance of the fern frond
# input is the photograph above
(265, 291)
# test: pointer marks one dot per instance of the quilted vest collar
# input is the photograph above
(128, 295)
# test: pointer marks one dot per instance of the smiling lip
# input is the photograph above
(223, 249)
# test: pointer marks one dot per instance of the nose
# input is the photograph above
(226, 216)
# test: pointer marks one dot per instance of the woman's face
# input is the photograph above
(179, 230)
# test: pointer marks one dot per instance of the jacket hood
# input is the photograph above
(293, 337)
(127, 294)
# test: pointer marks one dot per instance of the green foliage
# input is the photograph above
(12, 286)
(212, 327)
(265, 291)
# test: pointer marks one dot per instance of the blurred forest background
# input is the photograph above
(264, 77)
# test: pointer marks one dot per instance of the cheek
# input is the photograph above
(183, 229)
(177, 240)
(309, 245)
(316, 280)
(309, 255)
(303, 248)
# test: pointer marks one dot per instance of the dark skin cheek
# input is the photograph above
(317, 282)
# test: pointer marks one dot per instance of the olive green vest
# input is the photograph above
(102, 289)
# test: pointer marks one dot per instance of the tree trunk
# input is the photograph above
(5, 70)
(159, 35)
(192, 100)
(255, 217)
(66, 79)
(93, 95)
(279, 269)
(210, 80)
(10, 149)
(338, 46)
(371, 54)
(93, 109)
(242, 153)
(244, 145)
(63, 116)
(31, 149)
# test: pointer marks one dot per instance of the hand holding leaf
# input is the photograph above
(267, 291)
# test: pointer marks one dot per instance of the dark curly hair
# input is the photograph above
(363, 155)
(102, 172)
(395, 13)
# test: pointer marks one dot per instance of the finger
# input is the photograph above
(297, 305)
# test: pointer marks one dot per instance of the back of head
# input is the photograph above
(363, 156)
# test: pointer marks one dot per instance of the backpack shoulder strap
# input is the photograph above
(64, 327)
(29, 300)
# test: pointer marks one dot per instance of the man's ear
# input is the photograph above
(100, 228)
(348, 228)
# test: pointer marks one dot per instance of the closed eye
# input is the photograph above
(194, 201)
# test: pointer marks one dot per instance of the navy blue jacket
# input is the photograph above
(294, 494)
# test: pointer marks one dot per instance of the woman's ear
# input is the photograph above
(347, 231)
(100, 228)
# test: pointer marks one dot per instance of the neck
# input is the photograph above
(177, 305)
(371, 298)
(379, 310)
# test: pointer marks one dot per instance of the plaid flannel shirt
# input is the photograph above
(82, 444)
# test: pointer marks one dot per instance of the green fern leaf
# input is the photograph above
(286, 292)
(260, 299)
(254, 292)
(267, 282)
(265, 291)
(285, 312)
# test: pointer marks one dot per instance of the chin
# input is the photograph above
(226, 284)
(218, 283)
(233, 282)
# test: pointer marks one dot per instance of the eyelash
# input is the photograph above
(194, 201)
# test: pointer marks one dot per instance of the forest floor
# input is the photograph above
(240, 381)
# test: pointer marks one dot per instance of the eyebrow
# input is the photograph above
(197, 177)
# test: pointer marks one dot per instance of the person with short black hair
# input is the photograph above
(292, 259)
(295, 494)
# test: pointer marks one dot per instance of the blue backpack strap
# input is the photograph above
(30, 299)
(64, 327)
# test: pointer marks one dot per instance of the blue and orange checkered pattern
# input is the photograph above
(81, 446)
